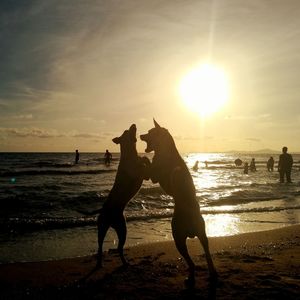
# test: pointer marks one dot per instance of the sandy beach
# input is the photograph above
(261, 265)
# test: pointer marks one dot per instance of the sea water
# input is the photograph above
(42, 196)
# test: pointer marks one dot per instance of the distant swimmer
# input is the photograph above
(195, 167)
(252, 165)
(76, 157)
(246, 168)
(285, 165)
(107, 157)
(270, 164)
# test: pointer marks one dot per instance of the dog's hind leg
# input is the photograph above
(204, 241)
(182, 248)
(121, 231)
(180, 242)
(102, 230)
(211, 268)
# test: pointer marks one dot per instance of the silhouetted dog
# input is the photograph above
(169, 169)
(129, 178)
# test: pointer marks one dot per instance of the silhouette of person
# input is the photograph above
(270, 164)
(246, 168)
(285, 165)
(107, 157)
(252, 165)
(195, 167)
(76, 156)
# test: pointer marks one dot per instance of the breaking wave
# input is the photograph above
(26, 224)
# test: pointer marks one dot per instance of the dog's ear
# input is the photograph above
(116, 140)
(156, 124)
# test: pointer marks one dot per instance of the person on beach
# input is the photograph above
(76, 156)
(246, 168)
(107, 157)
(270, 164)
(285, 165)
(252, 165)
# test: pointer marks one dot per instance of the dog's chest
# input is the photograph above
(162, 173)
(128, 176)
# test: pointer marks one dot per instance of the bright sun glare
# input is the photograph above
(204, 89)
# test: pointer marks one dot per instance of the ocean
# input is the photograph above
(42, 194)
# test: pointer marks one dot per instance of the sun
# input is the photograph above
(204, 89)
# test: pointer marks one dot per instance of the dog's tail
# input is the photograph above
(90, 213)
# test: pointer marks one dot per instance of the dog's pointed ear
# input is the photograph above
(156, 124)
(116, 140)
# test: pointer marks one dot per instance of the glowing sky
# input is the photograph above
(75, 74)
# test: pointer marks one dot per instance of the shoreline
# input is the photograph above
(57, 244)
(258, 265)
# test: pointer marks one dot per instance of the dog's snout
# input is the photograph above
(133, 126)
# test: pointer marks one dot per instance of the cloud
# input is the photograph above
(29, 132)
(86, 135)
(253, 139)
(188, 138)
(193, 138)
(23, 117)
(44, 133)
(3, 103)
(248, 117)
(209, 138)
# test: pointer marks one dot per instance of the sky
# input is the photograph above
(75, 74)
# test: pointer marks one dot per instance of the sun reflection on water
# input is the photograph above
(209, 183)
(221, 224)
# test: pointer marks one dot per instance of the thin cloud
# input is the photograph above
(253, 139)
(3, 103)
(23, 117)
(28, 132)
(209, 138)
(43, 133)
(248, 117)
(186, 138)
(86, 135)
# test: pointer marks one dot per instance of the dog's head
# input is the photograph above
(157, 139)
(127, 140)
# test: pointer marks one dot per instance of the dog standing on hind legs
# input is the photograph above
(129, 178)
(170, 171)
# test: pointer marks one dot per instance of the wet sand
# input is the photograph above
(260, 265)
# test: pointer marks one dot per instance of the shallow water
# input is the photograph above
(42, 193)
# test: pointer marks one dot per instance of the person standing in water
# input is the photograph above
(76, 156)
(107, 157)
(195, 167)
(285, 165)
(252, 165)
(270, 164)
